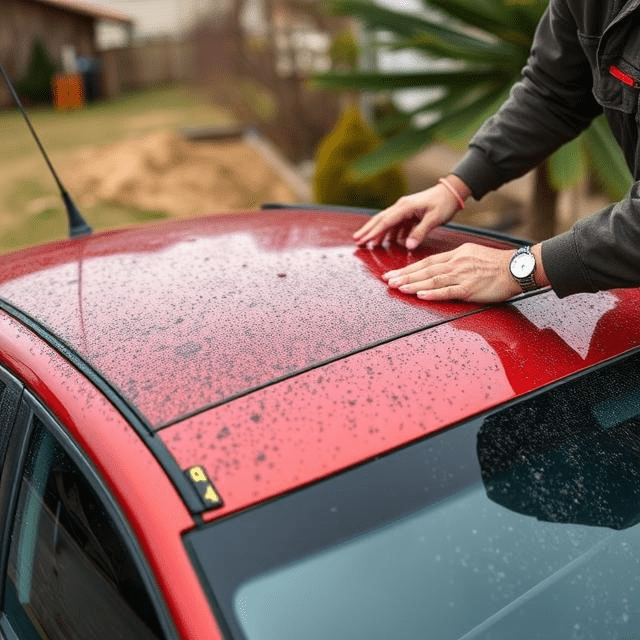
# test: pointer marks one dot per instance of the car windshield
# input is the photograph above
(519, 522)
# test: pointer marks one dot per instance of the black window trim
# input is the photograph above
(9, 403)
(11, 457)
(31, 407)
(12, 470)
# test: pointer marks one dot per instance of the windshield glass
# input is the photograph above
(521, 520)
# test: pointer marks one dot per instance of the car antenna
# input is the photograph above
(77, 224)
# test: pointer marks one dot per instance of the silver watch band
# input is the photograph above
(526, 282)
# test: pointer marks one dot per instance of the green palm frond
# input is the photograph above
(398, 147)
(412, 140)
(472, 50)
(375, 16)
(428, 34)
(568, 165)
(607, 159)
(449, 100)
(462, 124)
(374, 81)
(497, 17)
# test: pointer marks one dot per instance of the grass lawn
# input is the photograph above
(24, 178)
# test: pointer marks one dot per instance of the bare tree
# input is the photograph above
(258, 77)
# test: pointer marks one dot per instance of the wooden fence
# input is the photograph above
(150, 63)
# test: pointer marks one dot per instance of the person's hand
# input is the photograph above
(471, 272)
(413, 217)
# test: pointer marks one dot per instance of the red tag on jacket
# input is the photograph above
(625, 78)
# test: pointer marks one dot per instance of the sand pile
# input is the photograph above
(163, 172)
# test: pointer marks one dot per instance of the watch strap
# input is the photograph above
(527, 283)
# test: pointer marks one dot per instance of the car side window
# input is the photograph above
(70, 575)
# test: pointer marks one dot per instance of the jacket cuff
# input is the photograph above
(477, 172)
(563, 265)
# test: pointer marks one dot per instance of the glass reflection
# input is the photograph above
(570, 455)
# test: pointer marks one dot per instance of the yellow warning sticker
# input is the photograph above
(207, 492)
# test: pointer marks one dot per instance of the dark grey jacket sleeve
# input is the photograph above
(599, 252)
(554, 102)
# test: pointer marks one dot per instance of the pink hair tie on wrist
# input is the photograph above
(445, 183)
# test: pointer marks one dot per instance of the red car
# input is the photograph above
(230, 427)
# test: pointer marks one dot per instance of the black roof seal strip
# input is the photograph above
(332, 208)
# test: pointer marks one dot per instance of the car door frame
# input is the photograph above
(28, 406)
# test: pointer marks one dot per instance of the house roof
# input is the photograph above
(84, 8)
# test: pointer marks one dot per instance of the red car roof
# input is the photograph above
(266, 348)
(186, 315)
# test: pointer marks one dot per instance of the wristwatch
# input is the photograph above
(522, 266)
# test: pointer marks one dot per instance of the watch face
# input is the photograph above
(522, 265)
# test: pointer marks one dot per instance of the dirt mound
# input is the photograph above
(163, 172)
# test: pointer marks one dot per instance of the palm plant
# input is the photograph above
(487, 42)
